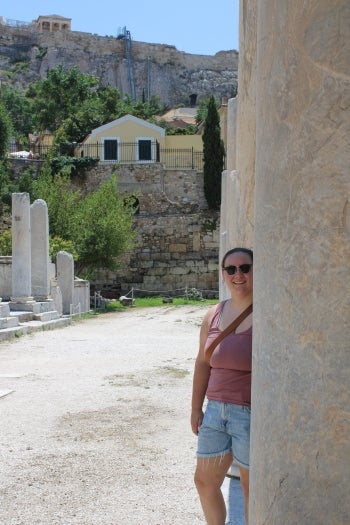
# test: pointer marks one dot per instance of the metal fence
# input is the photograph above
(111, 151)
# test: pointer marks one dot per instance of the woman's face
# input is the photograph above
(238, 274)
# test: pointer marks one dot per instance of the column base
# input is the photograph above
(22, 300)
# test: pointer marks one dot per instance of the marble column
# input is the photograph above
(242, 204)
(300, 397)
(227, 219)
(21, 249)
(65, 279)
(40, 250)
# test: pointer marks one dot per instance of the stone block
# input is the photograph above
(178, 271)
(8, 322)
(4, 310)
(126, 301)
(178, 248)
(46, 316)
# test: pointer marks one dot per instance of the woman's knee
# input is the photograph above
(210, 472)
(203, 476)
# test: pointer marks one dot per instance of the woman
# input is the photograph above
(223, 432)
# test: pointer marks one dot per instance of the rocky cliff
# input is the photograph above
(26, 55)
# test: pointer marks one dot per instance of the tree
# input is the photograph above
(99, 225)
(213, 156)
(5, 130)
(60, 95)
(70, 104)
(103, 227)
(20, 112)
(62, 201)
(202, 111)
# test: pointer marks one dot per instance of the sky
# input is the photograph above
(196, 27)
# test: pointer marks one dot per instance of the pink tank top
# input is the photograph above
(231, 364)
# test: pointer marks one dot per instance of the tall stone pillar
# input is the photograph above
(241, 230)
(300, 396)
(40, 250)
(231, 134)
(65, 279)
(227, 219)
(21, 249)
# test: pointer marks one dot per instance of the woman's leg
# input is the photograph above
(209, 476)
(244, 475)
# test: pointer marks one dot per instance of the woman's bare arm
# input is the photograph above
(201, 375)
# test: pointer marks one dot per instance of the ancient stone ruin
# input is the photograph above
(34, 292)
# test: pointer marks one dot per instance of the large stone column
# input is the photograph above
(21, 249)
(65, 279)
(227, 219)
(300, 400)
(242, 204)
(40, 250)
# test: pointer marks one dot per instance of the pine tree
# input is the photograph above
(213, 156)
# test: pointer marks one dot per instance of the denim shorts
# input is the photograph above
(225, 428)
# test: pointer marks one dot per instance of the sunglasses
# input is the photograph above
(231, 270)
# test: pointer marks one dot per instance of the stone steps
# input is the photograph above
(46, 316)
(32, 306)
(33, 326)
(26, 317)
(29, 318)
(23, 317)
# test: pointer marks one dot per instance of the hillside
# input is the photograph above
(157, 69)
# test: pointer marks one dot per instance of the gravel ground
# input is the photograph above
(96, 430)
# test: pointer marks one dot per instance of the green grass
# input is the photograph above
(158, 301)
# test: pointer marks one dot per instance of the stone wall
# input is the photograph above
(174, 252)
(178, 237)
(158, 189)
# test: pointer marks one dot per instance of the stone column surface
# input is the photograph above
(21, 249)
(65, 279)
(242, 204)
(231, 134)
(223, 234)
(227, 218)
(40, 250)
(301, 346)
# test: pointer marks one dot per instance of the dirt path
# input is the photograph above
(97, 428)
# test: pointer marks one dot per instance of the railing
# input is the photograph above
(141, 152)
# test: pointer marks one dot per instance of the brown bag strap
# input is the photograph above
(230, 328)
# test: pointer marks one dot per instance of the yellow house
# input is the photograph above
(130, 140)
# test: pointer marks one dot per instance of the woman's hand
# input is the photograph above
(196, 420)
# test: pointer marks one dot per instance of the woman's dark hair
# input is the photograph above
(235, 250)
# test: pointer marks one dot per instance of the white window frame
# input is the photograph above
(153, 141)
(103, 139)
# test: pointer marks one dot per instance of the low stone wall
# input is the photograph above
(174, 252)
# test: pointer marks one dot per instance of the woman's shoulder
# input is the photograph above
(213, 310)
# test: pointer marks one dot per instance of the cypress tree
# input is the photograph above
(213, 156)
